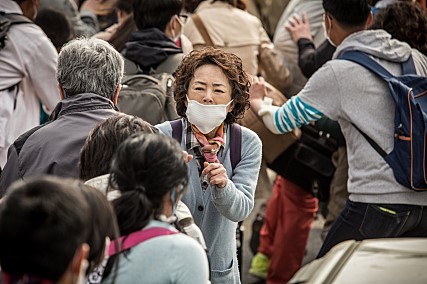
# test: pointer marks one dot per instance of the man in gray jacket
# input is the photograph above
(378, 206)
(89, 73)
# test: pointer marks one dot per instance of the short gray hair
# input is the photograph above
(89, 65)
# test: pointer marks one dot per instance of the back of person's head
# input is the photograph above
(102, 143)
(155, 14)
(145, 168)
(56, 26)
(102, 222)
(405, 21)
(190, 6)
(349, 13)
(121, 35)
(89, 66)
(125, 6)
(43, 227)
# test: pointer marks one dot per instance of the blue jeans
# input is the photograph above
(359, 221)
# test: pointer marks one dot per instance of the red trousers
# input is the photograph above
(284, 235)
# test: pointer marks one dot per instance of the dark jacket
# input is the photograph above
(310, 59)
(54, 147)
(149, 48)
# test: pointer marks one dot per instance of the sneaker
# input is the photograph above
(259, 266)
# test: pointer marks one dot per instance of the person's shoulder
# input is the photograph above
(165, 128)
(31, 37)
(28, 136)
(188, 245)
(420, 61)
(247, 17)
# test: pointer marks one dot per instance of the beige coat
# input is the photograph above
(239, 32)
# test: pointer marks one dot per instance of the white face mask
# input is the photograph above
(172, 218)
(206, 117)
(35, 12)
(175, 37)
(327, 34)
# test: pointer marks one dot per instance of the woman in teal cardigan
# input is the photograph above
(211, 93)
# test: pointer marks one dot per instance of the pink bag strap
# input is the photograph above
(133, 239)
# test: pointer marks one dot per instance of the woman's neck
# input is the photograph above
(211, 134)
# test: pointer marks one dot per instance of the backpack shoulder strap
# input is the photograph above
(133, 239)
(408, 67)
(177, 129)
(7, 20)
(371, 142)
(367, 62)
(235, 144)
(202, 29)
(130, 67)
(170, 64)
(14, 18)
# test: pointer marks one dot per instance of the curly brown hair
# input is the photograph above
(405, 21)
(232, 67)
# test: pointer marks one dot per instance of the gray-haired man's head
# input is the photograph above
(89, 66)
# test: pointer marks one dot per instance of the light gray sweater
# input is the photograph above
(349, 93)
(223, 208)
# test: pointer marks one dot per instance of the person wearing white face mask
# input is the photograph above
(211, 93)
(151, 174)
(153, 47)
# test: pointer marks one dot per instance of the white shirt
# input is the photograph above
(287, 48)
(29, 58)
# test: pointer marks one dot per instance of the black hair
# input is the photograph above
(125, 5)
(349, 13)
(144, 169)
(121, 36)
(155, 14)
(43, 222)
(405, 21)
(103, 224)
(102, 142)
(56, 26)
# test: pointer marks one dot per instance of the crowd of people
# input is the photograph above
(89, 194)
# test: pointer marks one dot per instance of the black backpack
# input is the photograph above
(148, 96)
(6, 21)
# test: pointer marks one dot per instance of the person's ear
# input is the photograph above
(177, 25)
(116, 94)
(169, 29)
(231, 107)
(328, 24)
(61, 92)
(369, 20)
(79, 262)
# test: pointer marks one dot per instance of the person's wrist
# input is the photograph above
(256, 104)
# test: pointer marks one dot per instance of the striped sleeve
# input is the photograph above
(293, 114)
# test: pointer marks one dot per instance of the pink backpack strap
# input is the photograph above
(133, 239)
